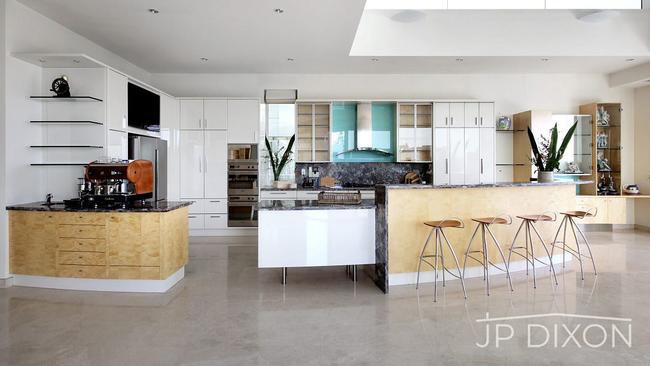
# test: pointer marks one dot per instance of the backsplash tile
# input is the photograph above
(367, 173)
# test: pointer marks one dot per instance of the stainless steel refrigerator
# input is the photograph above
(154, 149)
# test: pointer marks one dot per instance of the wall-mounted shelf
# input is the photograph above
(75, 98)
(66, 146)
(67, 123)
(58, 164)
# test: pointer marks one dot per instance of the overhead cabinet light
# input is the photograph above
(502, 4)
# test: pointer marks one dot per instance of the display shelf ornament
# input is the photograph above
(61, 87)
(602, 117)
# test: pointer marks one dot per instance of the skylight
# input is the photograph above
(503, 4)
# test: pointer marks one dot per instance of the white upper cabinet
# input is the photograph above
(215, 114)
(487, 164)
(243, 121)
(117, 100)
(118, 145)
(441, 114)
(216, 164)
(192, 164)
(456, 114)
(486, 115)
(192, 114)
(472, 115)
(456, 156)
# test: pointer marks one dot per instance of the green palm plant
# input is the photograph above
(279, 162)
(548, 157)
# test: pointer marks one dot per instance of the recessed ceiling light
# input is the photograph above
(278, 11)
(291, 59)
(545, 59)
(204, 59)
(76, 61)
(460, 59)
(154, 11)
(630, 59)
(42, 60)
(374, 59)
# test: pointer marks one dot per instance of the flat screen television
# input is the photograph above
(144, 108)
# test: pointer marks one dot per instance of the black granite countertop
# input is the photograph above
(298, 205)
(160, 206)
(318, 189)
(495, 185)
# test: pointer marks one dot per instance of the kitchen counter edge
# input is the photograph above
(161, 206)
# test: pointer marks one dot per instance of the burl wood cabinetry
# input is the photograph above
(101, 245)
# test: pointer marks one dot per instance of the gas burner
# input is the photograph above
(358, 185)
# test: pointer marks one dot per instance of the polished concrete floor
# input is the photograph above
(227, 312)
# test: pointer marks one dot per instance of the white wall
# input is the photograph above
(4, 253)
(28, 31)
(642, 154)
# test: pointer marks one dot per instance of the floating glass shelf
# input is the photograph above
(67, 146)
(67, 122)
(74, 98)
(58, 164)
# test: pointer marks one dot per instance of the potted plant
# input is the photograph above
(279, 162)
(547, 158)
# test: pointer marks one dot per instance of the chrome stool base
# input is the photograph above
(484, 251)
(568, 221)
(438, 254)
(529, 252)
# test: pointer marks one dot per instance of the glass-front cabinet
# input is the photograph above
(578, 156)
(312, 132)
(414, 133)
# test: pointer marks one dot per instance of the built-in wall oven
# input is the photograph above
(243, 189)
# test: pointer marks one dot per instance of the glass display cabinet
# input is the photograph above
(414, 133)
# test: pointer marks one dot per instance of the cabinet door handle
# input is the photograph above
(205, 158)
(200, 165)
(475, 121)
(481, 165)
(446, 165)
(452, 121)
(215, 217)
(446, 121)
(215, 201)
(200, 123)
(191, 217)
(205, 122)
(481, 121)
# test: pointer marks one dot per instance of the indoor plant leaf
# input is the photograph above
(537, 157)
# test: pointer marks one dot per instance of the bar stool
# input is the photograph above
(569, 220)
(437, 227)
(484, 224)
(527, 223)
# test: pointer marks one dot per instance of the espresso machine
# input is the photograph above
(115, 185)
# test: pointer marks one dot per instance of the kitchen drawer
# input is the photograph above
(82, 231)
(278, 195)
(218, 205)
(82, 218)
(196, 222)
(81, 271)
(82, 245)
(307, 195)
(82, 258)
(216, 221)
(133, 273)
(196, 207)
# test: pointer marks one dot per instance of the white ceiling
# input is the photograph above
(247, 36)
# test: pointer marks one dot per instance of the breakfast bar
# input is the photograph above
(402, 210)
(143, 248)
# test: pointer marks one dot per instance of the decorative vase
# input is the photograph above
(545, 177)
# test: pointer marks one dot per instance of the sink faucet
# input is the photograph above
(48, 198)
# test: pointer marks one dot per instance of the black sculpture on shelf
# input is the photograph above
(611, 189)
(602, 186)
(61, 87)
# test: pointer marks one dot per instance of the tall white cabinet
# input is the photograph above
(464, 144)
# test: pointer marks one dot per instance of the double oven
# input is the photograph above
(243, 189)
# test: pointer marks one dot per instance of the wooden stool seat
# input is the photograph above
(578, 214)
(444, 223)
(491, 220)
(536, 218)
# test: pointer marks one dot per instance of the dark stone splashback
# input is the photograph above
(367, 173)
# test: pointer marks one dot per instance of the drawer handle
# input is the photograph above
(215, 217)
(192, 217)
(80, 270)
(215, 201)
(80, 257)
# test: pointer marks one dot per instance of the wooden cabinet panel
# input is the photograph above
(75, 271)
(33, 245)
(134, 273)
(133, 239)
(82, 245)
(149, 251)
(82, 231)
(81, 218)
(82, 258)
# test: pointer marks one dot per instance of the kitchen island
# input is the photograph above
(138, 249)
(306, 233)
(402, 210)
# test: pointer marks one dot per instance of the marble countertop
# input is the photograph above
(495, 185)
(319, 189)
(160, 206)
(297, 205)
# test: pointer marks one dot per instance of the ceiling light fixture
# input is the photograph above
(630, 59)
(204, 59)
(374, 59)
(291, 59)
(545, 59)
(76, 61)
(154, 11)
(460, 59)
(278, 11)
(42, 60)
